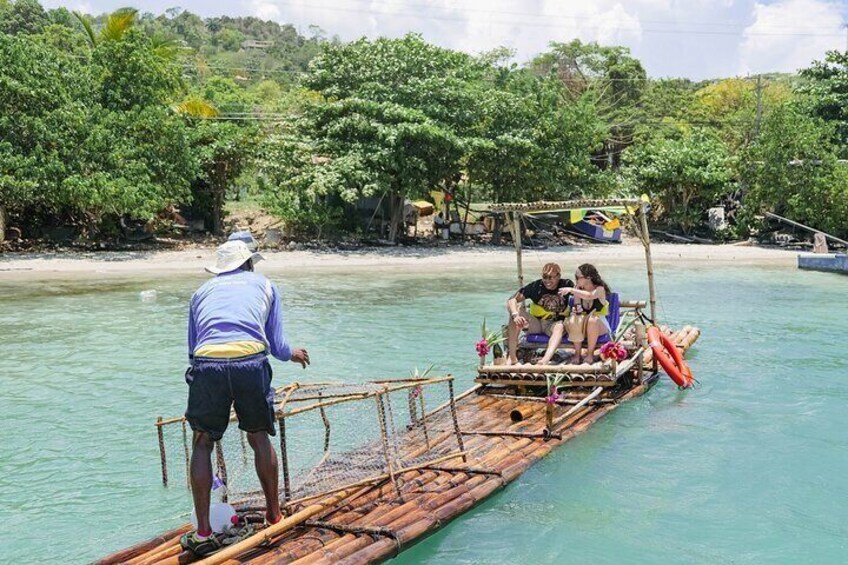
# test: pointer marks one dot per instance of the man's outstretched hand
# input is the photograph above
(300, 356)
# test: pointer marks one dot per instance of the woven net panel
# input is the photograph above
(359, 434)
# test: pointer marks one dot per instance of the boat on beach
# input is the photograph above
(403, 471)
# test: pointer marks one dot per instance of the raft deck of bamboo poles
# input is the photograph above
(375, 522)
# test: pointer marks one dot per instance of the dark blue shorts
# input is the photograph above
(214, 385)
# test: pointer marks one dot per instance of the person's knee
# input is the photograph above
(202, 441)
(258, 440)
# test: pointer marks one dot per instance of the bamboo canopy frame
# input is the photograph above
(635, 210)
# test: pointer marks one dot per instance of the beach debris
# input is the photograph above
(148, 295)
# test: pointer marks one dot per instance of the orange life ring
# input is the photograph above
(669, 358)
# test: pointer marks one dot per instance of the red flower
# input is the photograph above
(613, 350)
(482, 347)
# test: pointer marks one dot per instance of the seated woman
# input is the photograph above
(589, 309)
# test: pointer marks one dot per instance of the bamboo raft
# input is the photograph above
(504, 434)
(489, 435)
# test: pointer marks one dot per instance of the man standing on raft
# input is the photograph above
(235, 321)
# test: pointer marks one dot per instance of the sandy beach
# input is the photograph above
(73, 265)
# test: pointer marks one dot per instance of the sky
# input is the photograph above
(696, 39)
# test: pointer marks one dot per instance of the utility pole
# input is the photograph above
(759, 105)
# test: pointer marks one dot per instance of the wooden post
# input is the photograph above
(381, 416)
(187, 454)
(2, 224)
(284, 457)
(646, 242)
(452, 401)
(161, 435)
(516, 240)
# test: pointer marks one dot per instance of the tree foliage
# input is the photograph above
(793, 171)
(65, 151)
(686, 174)
(827, 89)
(124, 114)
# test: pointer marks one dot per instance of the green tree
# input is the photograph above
(62, 153)
(684, 173)
(392, 120)
(792, 171)
(533, 143)
(610, 76)
(827, 86)
(23, 17)
(224, 150)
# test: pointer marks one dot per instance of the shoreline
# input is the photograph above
(150, 264)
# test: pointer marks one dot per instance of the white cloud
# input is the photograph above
(264, 10)
(789, 34)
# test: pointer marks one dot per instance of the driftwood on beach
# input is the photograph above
(375, 521)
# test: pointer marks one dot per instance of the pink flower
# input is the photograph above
(553, 397)
(416, 392)
(482, 347)
(613, 350)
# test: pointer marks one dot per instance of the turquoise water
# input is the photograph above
(749, 468)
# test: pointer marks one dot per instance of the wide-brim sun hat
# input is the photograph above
(246, 237)
(232, 255)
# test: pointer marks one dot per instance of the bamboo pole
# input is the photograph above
(162, 457)
(284, 459)
(468, 392)
(643, 221)
(275, 529)
(594, 369)
(576, 407)
(543, 205)
(540, 400)
(146, 546)
(143, 547)
(516, 240)
(405, 383)
(520, 413)
(454, 420)
(363, 395)
(505, 433)
(381, 416)
(161, 554)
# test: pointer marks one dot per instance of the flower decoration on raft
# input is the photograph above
(613, 350)
(489, 341)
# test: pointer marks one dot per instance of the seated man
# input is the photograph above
(546, 315)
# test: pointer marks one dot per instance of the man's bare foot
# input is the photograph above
(575, 360)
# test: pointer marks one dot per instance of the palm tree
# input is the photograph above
(118, 23)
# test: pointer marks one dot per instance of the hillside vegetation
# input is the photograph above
(115, 121)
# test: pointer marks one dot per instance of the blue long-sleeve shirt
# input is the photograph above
(236, 307)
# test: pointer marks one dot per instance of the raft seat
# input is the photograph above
(536, 341)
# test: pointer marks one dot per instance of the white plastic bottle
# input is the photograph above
(221, 514)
